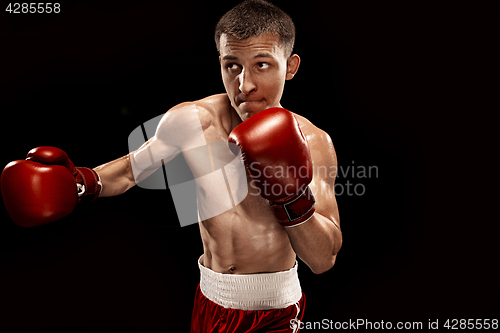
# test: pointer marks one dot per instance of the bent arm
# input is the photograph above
(317, 241)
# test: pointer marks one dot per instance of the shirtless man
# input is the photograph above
(248, 269)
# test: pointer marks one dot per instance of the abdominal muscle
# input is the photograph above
(246, 240)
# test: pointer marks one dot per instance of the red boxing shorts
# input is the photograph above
(234, 303)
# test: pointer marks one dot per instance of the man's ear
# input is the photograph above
(219, 60)
(292, 66)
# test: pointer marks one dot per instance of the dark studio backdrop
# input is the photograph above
(404, 89)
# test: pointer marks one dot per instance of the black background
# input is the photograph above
(408, 87)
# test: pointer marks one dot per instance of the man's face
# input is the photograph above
(254, 71)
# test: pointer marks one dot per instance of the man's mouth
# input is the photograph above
(250, 102)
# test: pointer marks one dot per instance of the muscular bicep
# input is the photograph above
(177, 130)
(150, 156)
(325, 171)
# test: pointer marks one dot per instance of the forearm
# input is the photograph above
(116, 176)
(316, 242)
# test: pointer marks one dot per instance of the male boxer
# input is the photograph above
(249, 279)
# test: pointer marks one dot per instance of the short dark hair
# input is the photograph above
(255, 17)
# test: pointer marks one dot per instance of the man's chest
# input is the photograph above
(219, 175)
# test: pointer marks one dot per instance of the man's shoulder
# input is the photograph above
(186, 122)
(215, 102)
(320, 145)
(207, 109)
(314, 134)
(212, 104)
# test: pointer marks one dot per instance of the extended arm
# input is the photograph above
(47, 186)
(116, 176)
(123, 173)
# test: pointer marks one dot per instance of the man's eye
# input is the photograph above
(263, 65)
(232, 67)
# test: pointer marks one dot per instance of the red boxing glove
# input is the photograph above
(46, 187)
(277, 157)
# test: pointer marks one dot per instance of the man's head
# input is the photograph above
(255, 41)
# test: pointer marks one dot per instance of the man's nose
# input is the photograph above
(247, 84)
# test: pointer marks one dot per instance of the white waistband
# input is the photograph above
(263, 291)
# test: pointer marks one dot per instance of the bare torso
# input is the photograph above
(245, 239)
(239, 233)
